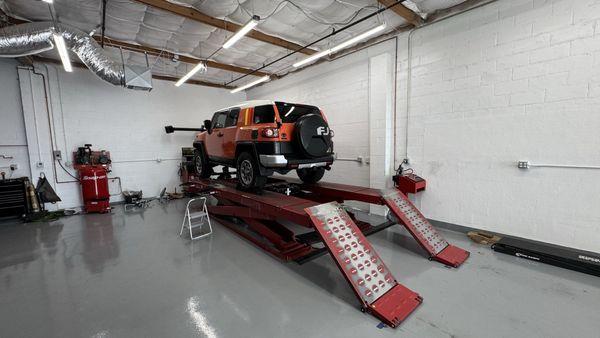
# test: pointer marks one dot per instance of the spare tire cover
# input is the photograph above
(313, 136)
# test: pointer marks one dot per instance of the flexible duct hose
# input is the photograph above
(36, 37)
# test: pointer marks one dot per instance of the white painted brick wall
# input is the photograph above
(12, 138)
(517, 79)
(129, 124)
(536, 100)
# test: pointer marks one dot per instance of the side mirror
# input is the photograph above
(208, 125)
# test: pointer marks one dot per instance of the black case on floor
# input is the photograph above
(13, 197)
(578, 260)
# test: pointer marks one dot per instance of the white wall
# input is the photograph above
(514, 80)
(12, 138)
(129, 124)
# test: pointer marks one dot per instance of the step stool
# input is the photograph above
(196, 219)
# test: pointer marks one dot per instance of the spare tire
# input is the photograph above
(312, 135)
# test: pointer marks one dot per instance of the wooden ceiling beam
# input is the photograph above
(170, 55)
(194, 14)
(407, 14)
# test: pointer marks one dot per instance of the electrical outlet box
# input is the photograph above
(39, 164)
(58, 155)
(14, 167)
(406, 161)
(523, 165)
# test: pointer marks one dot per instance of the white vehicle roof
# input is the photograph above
(250, 104)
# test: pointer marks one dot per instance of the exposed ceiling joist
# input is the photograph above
(404, 12)
(170, 55)
(194, 14)
(154, 76)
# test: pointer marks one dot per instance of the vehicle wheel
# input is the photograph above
(201, 166)
(248, 173)
(311, 175)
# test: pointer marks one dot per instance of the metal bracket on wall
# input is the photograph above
(6, 157)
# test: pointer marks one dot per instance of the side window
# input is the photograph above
(264, 114)
(232, 117)
(219, 119)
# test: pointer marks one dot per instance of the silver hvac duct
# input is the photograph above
(36, 37)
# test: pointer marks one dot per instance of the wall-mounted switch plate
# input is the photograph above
(58, 155)
(14, 167)
(39, 164)
(523, 165)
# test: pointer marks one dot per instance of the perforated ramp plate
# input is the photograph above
(367, 274)
(428, 237)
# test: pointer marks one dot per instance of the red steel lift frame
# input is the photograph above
(263, 222)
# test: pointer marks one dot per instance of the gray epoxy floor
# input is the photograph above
(132, 276)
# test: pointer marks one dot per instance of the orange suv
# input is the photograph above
(261, 137)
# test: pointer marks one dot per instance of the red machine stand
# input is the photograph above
(94, 188)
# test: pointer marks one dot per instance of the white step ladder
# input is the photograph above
(196, 219)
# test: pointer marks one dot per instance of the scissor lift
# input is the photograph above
(264, 220)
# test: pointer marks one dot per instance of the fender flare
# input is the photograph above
(244, 146)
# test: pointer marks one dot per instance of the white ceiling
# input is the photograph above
(299, 21)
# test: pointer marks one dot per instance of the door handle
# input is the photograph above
(220, 134)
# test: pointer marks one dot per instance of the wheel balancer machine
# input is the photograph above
(344, 236)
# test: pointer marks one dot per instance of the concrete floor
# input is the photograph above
(132, 276)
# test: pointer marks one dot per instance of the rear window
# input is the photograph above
(290, 112)
(264, 114)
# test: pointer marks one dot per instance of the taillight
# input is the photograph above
(270, 132)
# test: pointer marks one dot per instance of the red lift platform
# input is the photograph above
(264, 220)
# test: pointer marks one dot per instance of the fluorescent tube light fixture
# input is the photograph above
(48, 1)
(199, 67)
(59, 41)
(341, 46)
(358, 38)
(312, 58)
(251, 84)
(243, 31)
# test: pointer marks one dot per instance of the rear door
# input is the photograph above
(214, 140)
(230, 133)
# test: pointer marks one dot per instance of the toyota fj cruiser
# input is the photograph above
(261, 137)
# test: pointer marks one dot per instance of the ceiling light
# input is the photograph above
(252, 84)
(200, 66)
(62, 51)
(358, 38)
(243, 31)
(48, 1)
(341, 46)
(312, 58)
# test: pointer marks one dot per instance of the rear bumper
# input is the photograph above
(282, 161)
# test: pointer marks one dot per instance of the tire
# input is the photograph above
(201, 166)
(248, 173)
(311, 175)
